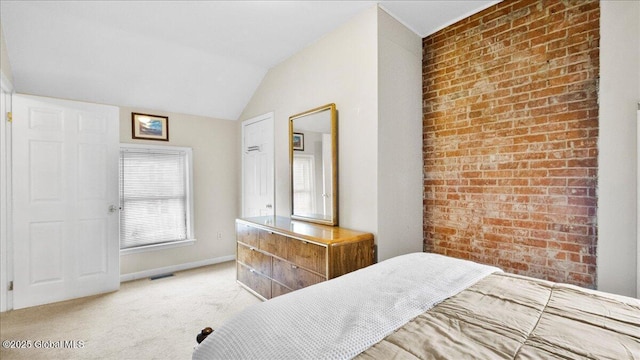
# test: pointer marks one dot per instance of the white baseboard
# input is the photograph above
(173, 268)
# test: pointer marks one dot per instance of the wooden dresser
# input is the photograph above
(276, 255)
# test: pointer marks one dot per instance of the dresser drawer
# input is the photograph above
(277, 289)
(247, 234)
(273, 243)
(256, 282)
(293, 276)
(277, 255)
(254, 259)
(308, 255)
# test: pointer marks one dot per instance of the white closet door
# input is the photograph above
(258, 166)
(65, 196)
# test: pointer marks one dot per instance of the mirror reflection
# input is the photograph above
(313, 154)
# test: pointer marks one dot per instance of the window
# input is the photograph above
(304, 186)
(155, 197)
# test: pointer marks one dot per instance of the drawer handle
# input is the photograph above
(294, 267)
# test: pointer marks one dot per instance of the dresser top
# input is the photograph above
(309, 231)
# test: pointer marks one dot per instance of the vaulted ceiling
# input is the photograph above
(195, 57)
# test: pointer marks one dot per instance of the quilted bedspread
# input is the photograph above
(340, 318)
(511, 317)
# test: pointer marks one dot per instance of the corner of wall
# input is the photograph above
(6, 269)
(399, 189)
(5, 65)
(619, 93)
(6, 83)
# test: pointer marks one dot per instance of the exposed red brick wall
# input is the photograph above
(510, 139)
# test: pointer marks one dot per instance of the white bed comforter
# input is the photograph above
(339, 319)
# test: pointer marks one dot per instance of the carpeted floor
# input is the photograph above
(145, 319)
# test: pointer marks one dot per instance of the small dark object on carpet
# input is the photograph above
(156, 277)
(203, 334)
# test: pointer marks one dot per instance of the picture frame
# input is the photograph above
(149, 127)
(298, 141)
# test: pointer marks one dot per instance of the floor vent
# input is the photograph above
(156, 277)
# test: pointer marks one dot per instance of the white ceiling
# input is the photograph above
(195, 57)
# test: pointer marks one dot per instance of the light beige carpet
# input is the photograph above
(145, 319)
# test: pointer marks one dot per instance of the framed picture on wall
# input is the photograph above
(298, 141)
(149, 127)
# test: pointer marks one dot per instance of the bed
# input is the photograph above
(429, 306)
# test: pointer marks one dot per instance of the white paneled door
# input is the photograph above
(65, 199)
(258, 166)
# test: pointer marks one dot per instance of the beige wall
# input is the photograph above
(618, 148)
(215, 189)
(399, 138)
(340, 68)
(5, 65)
(371, 69)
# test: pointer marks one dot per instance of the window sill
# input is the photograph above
(156, 247)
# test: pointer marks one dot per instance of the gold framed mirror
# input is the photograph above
(313, 158)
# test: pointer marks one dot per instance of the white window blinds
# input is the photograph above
(154, 195)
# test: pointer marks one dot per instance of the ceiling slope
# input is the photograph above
(195, 57)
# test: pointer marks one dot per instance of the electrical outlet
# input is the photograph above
(219, 236)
